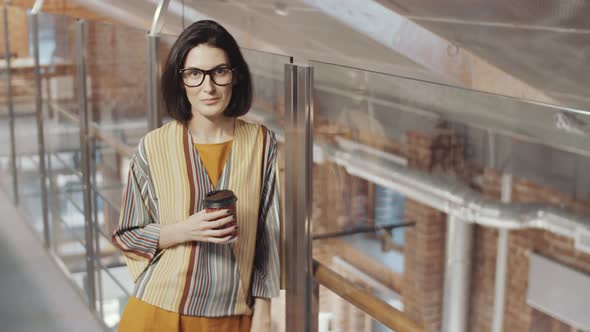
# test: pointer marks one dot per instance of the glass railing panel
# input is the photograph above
(69, 241)
(62, 139)
(57, 56)
(359, 224)
(116, 60)
(268, 76)
(117, 101)
(23, 96)
(391, 150)
(434, 107)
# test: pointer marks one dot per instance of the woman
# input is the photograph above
(190, 273)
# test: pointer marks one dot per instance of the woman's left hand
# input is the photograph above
(261, 315)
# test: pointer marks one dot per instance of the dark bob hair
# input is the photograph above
(213, 34)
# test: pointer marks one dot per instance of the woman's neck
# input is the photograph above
(211, 130)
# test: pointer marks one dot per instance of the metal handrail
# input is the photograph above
(370, 304)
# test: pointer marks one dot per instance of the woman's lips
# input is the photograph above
(210, 101)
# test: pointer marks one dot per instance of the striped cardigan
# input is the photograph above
(166, 184)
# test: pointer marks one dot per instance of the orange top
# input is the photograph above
(213, 157)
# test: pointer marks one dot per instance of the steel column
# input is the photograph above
(153, 82)
(300, 286)
(85, 161)
(10, 104)
(93, 190)
(40, 128)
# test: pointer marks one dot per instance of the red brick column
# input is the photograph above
(424, 249)
(424, 255)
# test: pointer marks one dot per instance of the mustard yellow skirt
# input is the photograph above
(140, 316)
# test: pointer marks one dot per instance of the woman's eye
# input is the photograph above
(221, 71)
(195, 73)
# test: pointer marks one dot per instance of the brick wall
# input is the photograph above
(424, 253)
(440, 151)
(425, 244)
(18, 33)
(518, 316)
(483, 271)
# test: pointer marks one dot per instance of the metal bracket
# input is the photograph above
(37, 7)
(158, 21)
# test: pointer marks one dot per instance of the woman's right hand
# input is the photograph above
(214, 227)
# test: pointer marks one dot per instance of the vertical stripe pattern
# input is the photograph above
(266, 273)
(167, 183)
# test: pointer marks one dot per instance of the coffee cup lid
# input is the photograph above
(219, 198)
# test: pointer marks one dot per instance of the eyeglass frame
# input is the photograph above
(205, 73)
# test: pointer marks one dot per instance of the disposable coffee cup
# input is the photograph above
(222, 200)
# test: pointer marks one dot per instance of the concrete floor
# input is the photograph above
(34, 293)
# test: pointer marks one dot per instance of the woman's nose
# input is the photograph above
(208, 85)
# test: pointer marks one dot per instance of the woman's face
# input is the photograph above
(208, 99)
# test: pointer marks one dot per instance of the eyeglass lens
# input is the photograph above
(194, 77)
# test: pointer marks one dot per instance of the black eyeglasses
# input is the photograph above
(194, 77)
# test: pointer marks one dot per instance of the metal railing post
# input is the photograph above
(153, 67)
(153, 82)
(10, 104)
(85, 161)
(300, 306)
(40, 129)
(93, 189)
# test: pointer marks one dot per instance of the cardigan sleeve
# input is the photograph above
(266, 270)
(137, 234)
